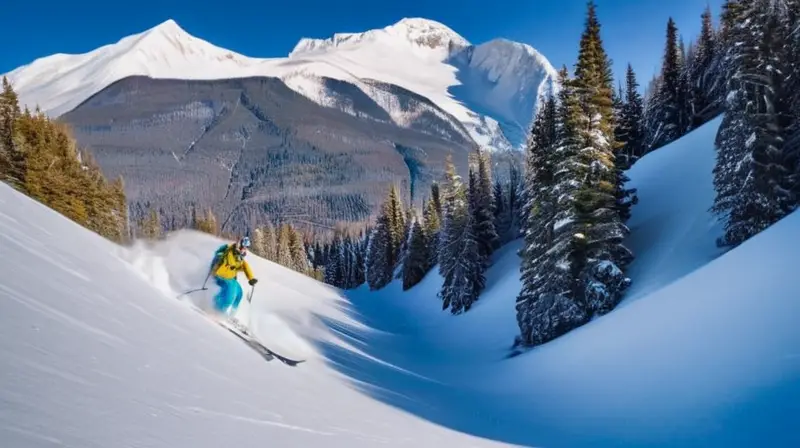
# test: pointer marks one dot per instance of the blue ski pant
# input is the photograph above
(229, 295)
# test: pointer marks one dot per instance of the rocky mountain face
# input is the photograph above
(254, 149)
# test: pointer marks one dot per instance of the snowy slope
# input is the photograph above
(504, 79)
(96, 352)
(705, 352)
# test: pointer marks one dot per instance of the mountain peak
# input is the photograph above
(169, 28)
(427, 33)
(418, 32)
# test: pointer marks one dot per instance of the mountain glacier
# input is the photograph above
(489, 91)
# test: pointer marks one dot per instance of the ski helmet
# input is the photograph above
(242, 245)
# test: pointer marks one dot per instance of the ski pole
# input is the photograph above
(250, 296)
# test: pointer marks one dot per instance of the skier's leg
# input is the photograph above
(237, 295)
(223, 298)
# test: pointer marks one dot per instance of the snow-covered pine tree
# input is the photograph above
(765, 65)
(601, 202)
(270, 242)
(754, 164)
(257, 245)
(514, 199)
(701, 77)
(483, 210)
(545, 307)
(333, 269)
(436, 198)
(580, 272)
(386, 242)
(631, 125)
(299, 258)
(502, 218)
(455, 223)
(283, 255)
(379, 267)
(667, 106)
(415, 264)
(431, 230)
(397, 227)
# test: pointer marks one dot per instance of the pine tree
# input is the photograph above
(415, 265)
(502, 217)
(483, 211)
(756, 172)
(431, 230)
(668, 108)
(283, 254)
(573, 259)
(460, 259)
(701, 77)
(386, 242)
(257, 244)
(297, 251)
(150, 228)
(12, 170)
(334, 272)
(631, 127)
(270, 242)
(379, 270)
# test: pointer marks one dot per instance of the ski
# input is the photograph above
(259, 347)
(249, 339)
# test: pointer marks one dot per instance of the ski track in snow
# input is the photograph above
(98, 351)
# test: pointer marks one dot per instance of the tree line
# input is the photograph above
(40, 158)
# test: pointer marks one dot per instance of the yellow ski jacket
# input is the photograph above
(227, 264)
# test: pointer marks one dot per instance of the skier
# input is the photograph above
(228, 261)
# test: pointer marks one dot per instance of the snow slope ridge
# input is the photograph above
(95, 351)
(415, 54)
(706, 353)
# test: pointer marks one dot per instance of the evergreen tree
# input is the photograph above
(431, 230)
(283, 254)
(257, 244)
(668, 123)
(334, 272)
(573, 259)
(150, 228)
(701, 77)
(631, 124)
(483, 211)
(386, 241)
(415, 265)
(502, 217)
(12, 170)
(270, 242)
(756, 172)
(459, 258)
(297, 251)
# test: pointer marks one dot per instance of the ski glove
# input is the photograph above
(253, 281)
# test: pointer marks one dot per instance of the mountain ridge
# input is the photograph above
(419, 55)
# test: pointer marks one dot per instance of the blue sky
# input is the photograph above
(633, 30)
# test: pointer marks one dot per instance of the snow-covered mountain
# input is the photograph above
(95, 350)
(492, 88)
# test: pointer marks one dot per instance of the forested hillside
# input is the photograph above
(39, 157)
(572, 204)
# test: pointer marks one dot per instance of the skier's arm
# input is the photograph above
(247, 271)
